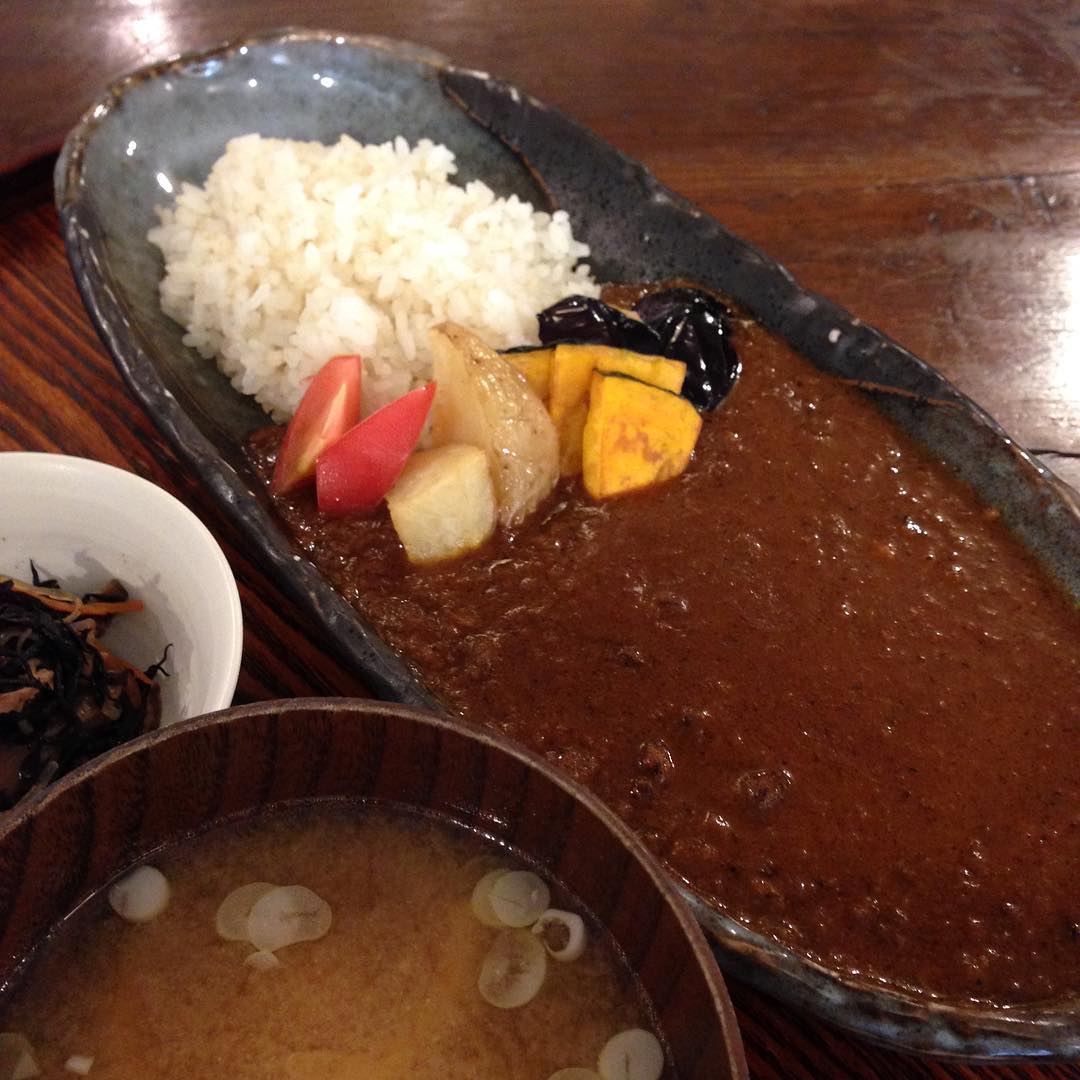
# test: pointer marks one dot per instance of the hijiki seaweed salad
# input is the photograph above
(64, 697)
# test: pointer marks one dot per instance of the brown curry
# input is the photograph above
(823, 681)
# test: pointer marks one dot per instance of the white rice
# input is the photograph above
(294, 252)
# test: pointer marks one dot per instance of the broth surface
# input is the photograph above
(389, 992)
(824, 682)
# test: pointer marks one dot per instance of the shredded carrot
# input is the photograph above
(96, 607)
(111, 607)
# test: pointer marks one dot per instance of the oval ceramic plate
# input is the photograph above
(169, 122)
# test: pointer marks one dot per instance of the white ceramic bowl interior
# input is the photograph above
(84, 523)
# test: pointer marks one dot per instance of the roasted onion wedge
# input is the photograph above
(483, 400)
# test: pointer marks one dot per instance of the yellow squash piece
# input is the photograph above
(655, 370)
(572, 368)
(535, 365)
(571, 429)
(636, 435)
(568, 396)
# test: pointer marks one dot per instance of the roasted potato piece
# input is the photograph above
(635, 435)
(484, 401)
(443, 504)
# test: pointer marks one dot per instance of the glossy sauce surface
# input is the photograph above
(826, 684)
(389, 992)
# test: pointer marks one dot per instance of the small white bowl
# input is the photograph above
(84, 522)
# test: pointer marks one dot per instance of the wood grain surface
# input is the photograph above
(917, 161)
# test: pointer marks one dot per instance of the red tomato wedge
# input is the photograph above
(360, 468)
(329, 407)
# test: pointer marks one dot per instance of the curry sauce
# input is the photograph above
(820, 677)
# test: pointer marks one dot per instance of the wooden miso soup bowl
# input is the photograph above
(62, 846)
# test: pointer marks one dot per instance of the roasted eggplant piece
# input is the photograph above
(583, 320)
(693, 327)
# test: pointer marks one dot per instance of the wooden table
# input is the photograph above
(919, 162)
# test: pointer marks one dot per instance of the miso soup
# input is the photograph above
(355, 944)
